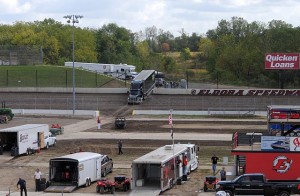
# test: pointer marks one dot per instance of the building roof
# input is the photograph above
(23, 127)
(79, 156)
(162, 154)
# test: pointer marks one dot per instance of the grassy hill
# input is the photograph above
(53, 76)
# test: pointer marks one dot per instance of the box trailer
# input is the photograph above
(158, 170)
(74, 170)
(25, 138)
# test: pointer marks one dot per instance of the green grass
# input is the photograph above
(51, 76)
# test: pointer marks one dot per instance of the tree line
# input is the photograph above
(233, 52)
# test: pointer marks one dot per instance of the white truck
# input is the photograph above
(27, 138)
(68, 172)
(192, 158)
(155, 172)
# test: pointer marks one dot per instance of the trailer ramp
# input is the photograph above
(145, 191)
(60, 189)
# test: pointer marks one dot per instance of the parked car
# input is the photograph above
(122, 182)
(104, 186)
(106, 165)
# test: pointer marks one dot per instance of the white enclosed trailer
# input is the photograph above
(71, 171)
(121, 71)
(156, 172)
(20, 139)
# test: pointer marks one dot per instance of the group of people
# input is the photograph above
(21, 184)
(214, 161)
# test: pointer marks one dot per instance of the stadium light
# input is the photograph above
(73, 19)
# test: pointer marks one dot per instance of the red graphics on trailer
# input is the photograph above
(282, 61)
(275, 166)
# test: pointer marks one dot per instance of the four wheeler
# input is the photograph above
(56, 129)
(104, 186)
(210, 183)
(120, 122)
(122, 182)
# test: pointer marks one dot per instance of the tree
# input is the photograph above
(165, 47)
(185, 54)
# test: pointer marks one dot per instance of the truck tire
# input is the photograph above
(284, 193)
(87, 182)
(229, 192)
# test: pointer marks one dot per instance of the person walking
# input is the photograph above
(22, 184)
(120, 145)
(214, 161)
(223, 174)
(37, 178)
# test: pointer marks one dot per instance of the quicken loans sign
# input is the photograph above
(282, 61)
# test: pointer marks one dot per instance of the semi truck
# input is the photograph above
(141, 86)
(69, 172)
(26, 138)
(159, 170)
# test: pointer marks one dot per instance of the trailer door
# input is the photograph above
(98, 168)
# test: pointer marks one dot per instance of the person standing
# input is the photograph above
(22, 184)
(223, 174)
(214, 161)
(185, 163)
(99, 122)
(37, 178)
(120, 145)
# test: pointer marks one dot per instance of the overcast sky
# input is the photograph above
(170, 15)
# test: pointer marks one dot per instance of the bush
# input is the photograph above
(8, 112)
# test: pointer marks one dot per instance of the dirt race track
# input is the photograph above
(69, 142)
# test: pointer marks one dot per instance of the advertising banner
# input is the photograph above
(280, 143)
(275, 165)
(282, 61)
(275, 143)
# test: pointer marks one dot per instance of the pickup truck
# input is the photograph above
(256, 184)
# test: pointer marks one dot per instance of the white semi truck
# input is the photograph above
(26, 138)
(161, 169)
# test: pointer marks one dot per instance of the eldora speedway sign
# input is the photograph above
(282, 61)
(245, 92)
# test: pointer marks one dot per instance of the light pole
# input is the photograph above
(73, 19)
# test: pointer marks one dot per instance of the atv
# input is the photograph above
(122, 182)
(104, 186)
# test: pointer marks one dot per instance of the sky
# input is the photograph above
(192, 16)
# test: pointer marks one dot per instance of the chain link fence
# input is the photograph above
(20, 55)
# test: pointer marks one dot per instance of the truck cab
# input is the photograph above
(192, 158)
(50, 140)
